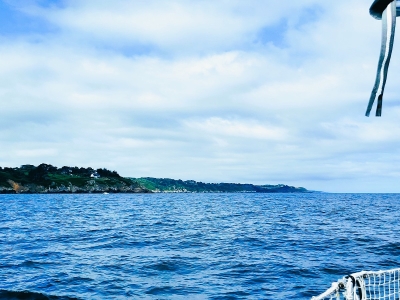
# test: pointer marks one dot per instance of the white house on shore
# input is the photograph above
(95, 175)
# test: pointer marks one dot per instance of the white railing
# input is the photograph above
(365, 285)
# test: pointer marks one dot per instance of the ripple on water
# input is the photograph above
(197, 246)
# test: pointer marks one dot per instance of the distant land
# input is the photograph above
(45, 178)
(190, 186)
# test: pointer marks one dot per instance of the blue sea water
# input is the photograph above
(192, 246)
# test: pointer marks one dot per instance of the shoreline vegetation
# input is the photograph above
(48, 179)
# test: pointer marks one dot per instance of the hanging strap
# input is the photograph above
(388, 30)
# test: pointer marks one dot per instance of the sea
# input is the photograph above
(192, 246)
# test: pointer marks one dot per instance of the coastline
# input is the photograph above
(48, 179)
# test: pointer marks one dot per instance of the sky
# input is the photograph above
(256, 91)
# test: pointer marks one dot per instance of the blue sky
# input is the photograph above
(217, 91)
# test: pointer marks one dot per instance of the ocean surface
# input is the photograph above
(192, 246)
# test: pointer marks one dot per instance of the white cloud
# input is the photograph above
(173, 26)
(201, 90)
(232, 128)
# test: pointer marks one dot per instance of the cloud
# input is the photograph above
(172, 27)
(239, 129)
(256, 91)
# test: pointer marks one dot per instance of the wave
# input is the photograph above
(27, 295)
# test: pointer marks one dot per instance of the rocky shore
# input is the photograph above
(91, 187)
